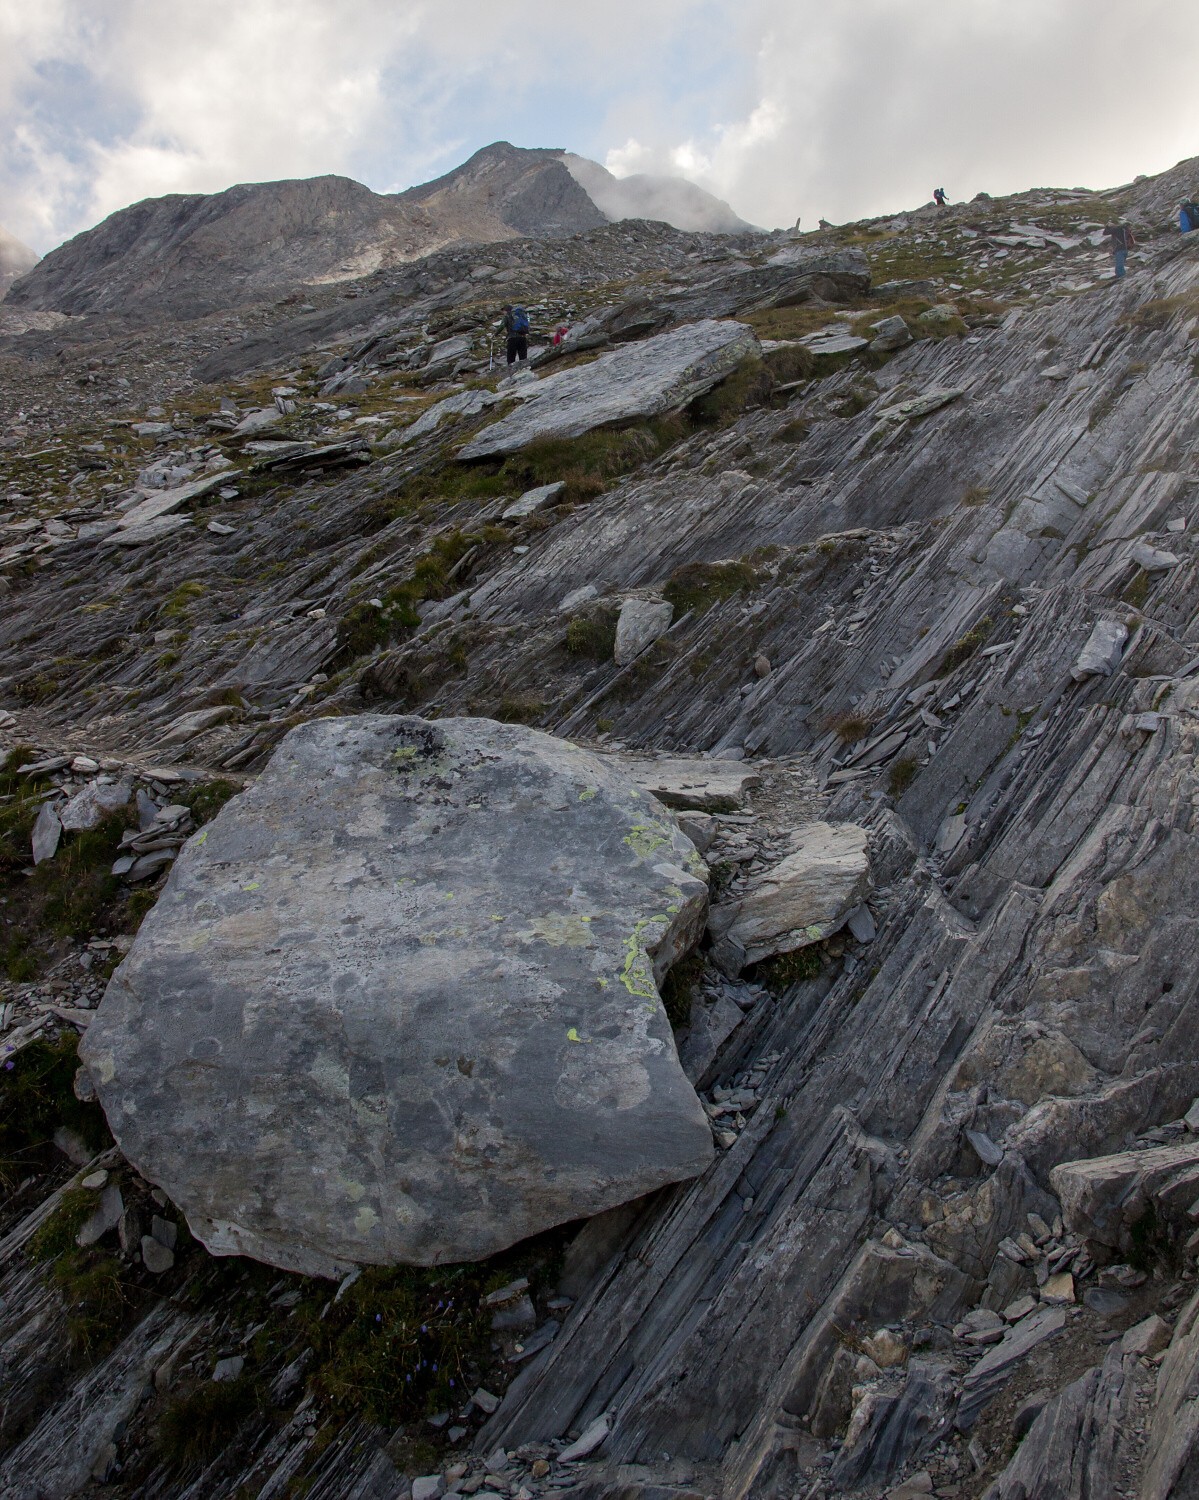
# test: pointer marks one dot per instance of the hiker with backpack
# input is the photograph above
(1188, 216)
(939, 197)
(516, 327)
(1122, 242)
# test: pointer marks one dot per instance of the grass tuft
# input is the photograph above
(965, 646)
(37, 1095)
(850, 727)
(593, 635)
(902, 774)
(199, 1424)
(697, 586)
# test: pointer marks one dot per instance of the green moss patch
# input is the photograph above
(785, 969)
(57, 1235)
(749, 385)
(407, 1341)
(589, 465)
(97, 1300)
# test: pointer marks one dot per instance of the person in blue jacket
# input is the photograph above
(1188, 216)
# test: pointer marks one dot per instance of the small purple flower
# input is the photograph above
(424, 1328)
(9, 1065)
(378, 1317)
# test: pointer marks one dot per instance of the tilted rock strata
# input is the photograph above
(398, 1002)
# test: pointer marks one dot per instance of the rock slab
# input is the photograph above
(399, 1002)
(641, 380)
(801, 900)
(641, 623)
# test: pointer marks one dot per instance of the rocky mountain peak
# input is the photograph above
(193, 254)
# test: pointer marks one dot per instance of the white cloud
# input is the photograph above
(859, 111)
(779, 106)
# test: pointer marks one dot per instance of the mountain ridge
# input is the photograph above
(191, 254)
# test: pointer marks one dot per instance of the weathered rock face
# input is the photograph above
(399, 1002)
(643, 380)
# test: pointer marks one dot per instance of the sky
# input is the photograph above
(784, 108)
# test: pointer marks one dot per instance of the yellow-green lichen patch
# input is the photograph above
(644, 838)
(560, 930)
(637, 975)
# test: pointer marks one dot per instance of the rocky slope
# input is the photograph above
(920, 567)
(190, 254)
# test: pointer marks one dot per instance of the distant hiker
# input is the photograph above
(559, 334)
(1122, 241)
(1188, 216)
(939, 197)
(516, 326)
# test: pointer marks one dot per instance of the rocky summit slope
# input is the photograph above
(896, 616)
(190, 254)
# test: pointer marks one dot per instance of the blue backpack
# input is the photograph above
(520, 320)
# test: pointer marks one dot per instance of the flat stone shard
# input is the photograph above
(710, 786)
(1101, 655)
(889, 333)
(833, 340)
(640, 624)
(640, 380)
(398, 1002)
(799, 901)
(532, 501)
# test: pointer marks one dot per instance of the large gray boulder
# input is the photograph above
(639, 380)
(399, 1001)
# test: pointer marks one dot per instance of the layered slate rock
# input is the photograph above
(399, 1002)
(658, 375)
(802, 899)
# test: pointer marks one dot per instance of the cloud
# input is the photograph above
(857, 112)
(135, 98)
(778, 106)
